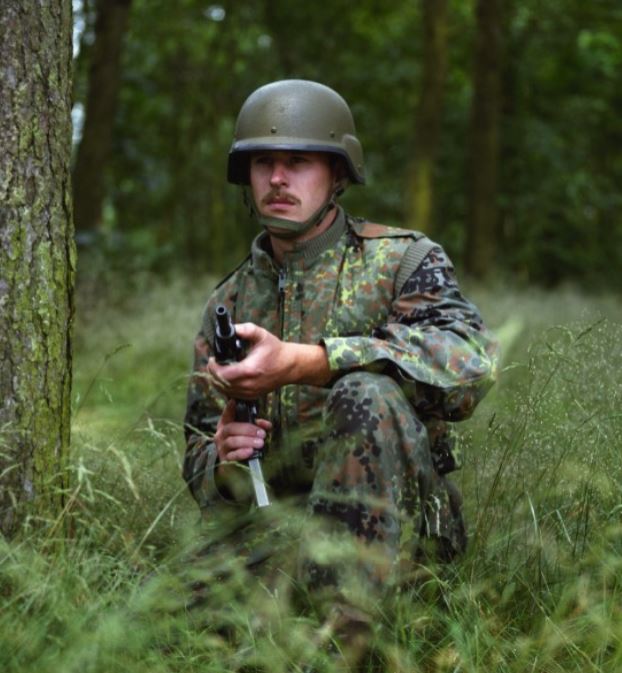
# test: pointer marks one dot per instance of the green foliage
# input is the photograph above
(561, 198)
(188, 66)
(106, 587)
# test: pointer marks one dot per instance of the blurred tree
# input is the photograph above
(535, 84)
(92, 160)
(420, 190)
(36, 255)
(185, 72)
(561, 169)
(482, 222)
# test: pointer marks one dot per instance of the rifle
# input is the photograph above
(228, 348)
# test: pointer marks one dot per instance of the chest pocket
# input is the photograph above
(363, 297)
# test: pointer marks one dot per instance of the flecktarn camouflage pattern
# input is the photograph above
(369, 452)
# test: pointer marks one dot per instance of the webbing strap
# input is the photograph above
(414, 255)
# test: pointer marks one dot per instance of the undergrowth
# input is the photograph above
(123, 584)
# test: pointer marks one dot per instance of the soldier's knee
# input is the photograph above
(359, 401)
(358, 386)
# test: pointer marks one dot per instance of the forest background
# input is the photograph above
(493, 126)
(497, 130)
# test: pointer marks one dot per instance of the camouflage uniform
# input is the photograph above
(370, 449)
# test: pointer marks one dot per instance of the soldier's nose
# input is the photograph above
(279, 174)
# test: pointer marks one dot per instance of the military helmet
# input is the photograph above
(295, 114)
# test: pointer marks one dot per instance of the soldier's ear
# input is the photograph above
(340, 173)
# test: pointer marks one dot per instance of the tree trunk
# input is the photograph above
(420, 191)
(95, 147)
(37, 256)
(484, 150)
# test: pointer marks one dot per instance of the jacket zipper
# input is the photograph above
(282, 281)
(281, 305)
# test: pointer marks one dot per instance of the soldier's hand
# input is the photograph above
(269, 364)
(238, 441)
(264, 369)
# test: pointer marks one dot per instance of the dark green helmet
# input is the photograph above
(295, 114)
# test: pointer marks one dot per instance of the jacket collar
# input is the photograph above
(307, 251)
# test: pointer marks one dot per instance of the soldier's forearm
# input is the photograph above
(310, 364)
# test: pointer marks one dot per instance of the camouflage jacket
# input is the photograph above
(338, 290)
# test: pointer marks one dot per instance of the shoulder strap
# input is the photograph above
(414, 255)
(367, 229)
(222, 281)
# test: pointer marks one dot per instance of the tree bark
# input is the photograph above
(37, 256)
(95, 147)
(482, 223)
(420, 190)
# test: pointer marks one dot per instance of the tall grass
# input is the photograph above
(539, 589)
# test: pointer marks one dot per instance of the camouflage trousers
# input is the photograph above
(376, 487)
(364, 513)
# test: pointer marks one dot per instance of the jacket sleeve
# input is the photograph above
(434, 343)
(204, 407)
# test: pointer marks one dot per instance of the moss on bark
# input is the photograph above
(37, 256)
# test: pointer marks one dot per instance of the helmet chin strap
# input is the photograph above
(279, 227)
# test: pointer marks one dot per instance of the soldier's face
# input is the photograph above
(291, 185)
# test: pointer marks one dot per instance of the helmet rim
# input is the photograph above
(238, 167)
(295, 115)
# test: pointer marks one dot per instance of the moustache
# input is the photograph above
(279, 196)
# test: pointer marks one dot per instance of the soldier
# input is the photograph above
(361, 348)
